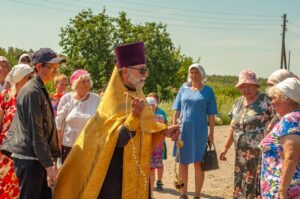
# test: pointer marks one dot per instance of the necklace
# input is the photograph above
(134, 154)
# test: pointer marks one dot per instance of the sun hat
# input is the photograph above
(76, 74)
(46, 55)
(2, 58)
(151, 101)
(291, 88)
(19, 72)
(130, 54)
(247, 77)
(280, 75)
(201, 71)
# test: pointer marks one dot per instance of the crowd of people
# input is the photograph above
(74, 143)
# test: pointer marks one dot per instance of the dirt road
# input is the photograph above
(218, 184)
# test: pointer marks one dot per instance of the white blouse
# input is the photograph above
(73, 114)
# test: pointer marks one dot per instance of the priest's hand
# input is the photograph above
(137, 106)
(172, 132)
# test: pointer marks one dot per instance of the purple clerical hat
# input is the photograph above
(130, 54)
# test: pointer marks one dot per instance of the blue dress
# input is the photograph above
(194, 107)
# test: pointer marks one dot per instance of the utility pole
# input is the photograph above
(283, 64)
(289, 60)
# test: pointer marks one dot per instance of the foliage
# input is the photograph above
(88, 42)
(13, 54)
(225, 92)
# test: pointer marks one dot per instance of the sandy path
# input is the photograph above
(218, 184)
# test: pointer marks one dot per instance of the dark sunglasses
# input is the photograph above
(142, 71)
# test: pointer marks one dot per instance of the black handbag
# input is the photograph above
(210, 160)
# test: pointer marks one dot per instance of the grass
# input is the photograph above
(224, 106)
(225, 93)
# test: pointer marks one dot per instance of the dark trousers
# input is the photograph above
(65, 150)
(32, 179)
(112, 185)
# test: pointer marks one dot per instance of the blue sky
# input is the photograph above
(228, 35)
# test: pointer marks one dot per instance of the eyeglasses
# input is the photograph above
(50, 67)
(142, 71)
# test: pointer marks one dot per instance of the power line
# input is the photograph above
(291, 31)
(172, 14)
(66, 4)
(294, 24)
(42, 6)
(180, 19)
(186, 23)
(195, 10)
(176, 14)
(220, 28)
(202, 22)
(172, 19)
(206, 22)
(295, 36)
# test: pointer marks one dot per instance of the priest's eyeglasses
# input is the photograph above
(142, 71)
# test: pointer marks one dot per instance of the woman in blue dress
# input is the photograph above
(194, 108)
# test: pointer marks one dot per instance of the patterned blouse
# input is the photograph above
(55, 101)
(249, 123)
(272, 158)
(9, 184)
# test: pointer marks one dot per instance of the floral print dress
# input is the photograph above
(9, 183)
(248, 123)
(156, 155)
(55, 101)
(272, 158)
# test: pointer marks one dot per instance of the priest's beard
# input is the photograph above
(138, 83)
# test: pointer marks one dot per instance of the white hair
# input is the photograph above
(82, 77)
(275, 92)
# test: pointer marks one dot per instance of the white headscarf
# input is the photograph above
(151, 101)
(280, 75)
(23, 56)
(291, 88)
(18, 72)
(201, 71)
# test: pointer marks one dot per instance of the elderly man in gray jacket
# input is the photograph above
(32, 139)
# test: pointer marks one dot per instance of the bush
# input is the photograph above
(225, 93)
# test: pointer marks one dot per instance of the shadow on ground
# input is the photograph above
(190, 194)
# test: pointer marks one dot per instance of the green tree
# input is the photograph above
(12, 54)
(182, 72)
(88, 42)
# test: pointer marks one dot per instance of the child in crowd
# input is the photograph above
(156, 156)
(160, 171)
(61, 84)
